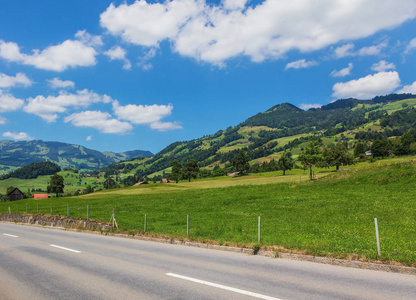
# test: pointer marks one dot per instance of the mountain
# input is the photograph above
(22, 153)
(285, 127)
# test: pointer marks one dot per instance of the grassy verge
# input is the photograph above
(333, 216)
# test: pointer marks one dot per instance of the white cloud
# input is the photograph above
(215, 33)
(367, 87)
(89, 39)
(343, 72)
(348, 50)
(408, 89)
(101, 121)
(57, 83)
(69, 54)
(165, 126)
(372, 50)
(383, 66)
(144, 60)
(9, 103)
(20, 79)
(3, 121)
(89, 138)
(142, 114)
(234, 4)
(21, 136)
(48, 107)
(146, 115)
(344, 50)
(411, 46)
(301, 64)
(118, 53)
(309, 106)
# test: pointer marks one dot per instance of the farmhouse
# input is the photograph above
(15, 195)
(41, 196)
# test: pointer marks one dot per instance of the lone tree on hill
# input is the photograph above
(310, 156)
(176, 171)
(57, 185)
(240, 162)
(109, 183)
(285, 162)
(190, 169)
(337, 155)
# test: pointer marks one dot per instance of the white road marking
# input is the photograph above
(67, 249)
(11, 235)
(224, 287)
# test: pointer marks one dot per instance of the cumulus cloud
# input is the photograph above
(48, 107)
(383, 66)
(118, 53)
(344, 50)
(367, 87)
(89, 138)
(301, 64)
(57, 83)
(21, 136)
(69, 54)
(9, 103)
(411, 46)
(146, 115)
(348, 50)
(214, 33)
(343, 72)
(20, 79)
(102, 121)
(165, 126)
(309, 106)
(408, 89)
(3, 121)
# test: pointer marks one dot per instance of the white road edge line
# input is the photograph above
(11, 235)
(224, 287)
(67, 249)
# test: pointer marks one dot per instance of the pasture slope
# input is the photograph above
(332, 216)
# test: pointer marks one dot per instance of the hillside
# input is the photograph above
(22, 153)
(285, 127)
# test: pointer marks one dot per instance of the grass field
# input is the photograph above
(333, 216)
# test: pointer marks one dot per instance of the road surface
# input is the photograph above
(42, 263)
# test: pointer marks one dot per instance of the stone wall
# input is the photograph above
(55, 221)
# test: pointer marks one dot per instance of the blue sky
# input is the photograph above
(127, 75)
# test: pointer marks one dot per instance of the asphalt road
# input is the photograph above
(41, 263)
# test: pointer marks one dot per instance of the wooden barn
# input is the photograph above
(15, 195)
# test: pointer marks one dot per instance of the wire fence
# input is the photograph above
(385, 238)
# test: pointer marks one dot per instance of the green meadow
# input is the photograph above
(331, 216)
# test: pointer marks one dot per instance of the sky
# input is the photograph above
(140, 75)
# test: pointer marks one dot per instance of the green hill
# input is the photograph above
(22, 153)
(285, 127)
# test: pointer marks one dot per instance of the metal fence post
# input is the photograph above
(187, 225)
(9, 210)
(67, 210)
(88, 212)
(37, 208)
(259, 231)
(51, 208)
(145, 222)
(378, 237)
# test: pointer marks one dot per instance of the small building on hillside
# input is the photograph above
(41, 196)
(15, 195)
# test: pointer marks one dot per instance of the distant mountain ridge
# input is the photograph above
(21, 153)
